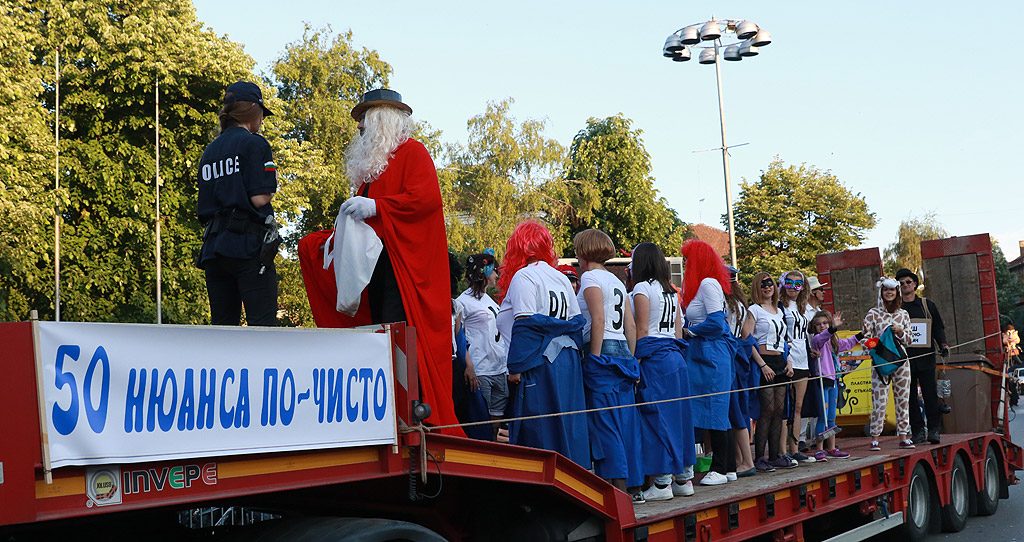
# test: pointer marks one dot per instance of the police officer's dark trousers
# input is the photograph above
(232, 282)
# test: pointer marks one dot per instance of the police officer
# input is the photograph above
(237, 179)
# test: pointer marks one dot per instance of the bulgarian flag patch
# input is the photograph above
(270, 166)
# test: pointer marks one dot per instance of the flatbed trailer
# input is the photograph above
(425, 486)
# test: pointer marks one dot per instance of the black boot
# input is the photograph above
(933, 436)
(919, 437)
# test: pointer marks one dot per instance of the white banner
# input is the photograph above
(126, 393)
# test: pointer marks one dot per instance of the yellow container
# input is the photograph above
(856, 413)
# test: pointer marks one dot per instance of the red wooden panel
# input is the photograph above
(955, 246)
(849, 258)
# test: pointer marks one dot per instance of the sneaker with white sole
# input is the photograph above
(731, 476)
(838, 454)
(655, 493)
(638, 498)
(684, 489)
(713, 478)
(803, 458)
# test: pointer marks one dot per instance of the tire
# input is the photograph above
(321, 529)
(988, 496)
(954, 514)
(918, 516)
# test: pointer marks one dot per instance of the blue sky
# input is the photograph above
(914, 105)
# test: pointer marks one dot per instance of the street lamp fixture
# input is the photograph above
(731, 39)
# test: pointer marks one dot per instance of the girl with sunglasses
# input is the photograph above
(793, 303)
(770, 333)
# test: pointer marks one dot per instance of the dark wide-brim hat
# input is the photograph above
(378, 97)
(244, 91)
(907, 273)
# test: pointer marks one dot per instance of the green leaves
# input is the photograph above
(792, 214)
(112, 54)
(905, 251)
(501, 177)
(614, 191)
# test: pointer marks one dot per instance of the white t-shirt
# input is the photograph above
(769, 329)
(710, 298)
(796, 328)
(613, 291)
(479, 318)
(537, 288)
(736, 319)
(664, 308)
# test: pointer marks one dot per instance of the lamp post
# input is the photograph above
(731, 39)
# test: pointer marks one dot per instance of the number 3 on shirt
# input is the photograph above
(619, 307)
(558, 306)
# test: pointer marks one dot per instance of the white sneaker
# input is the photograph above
(655, 493)
(731, 476)
(683, 490)
(713, 478)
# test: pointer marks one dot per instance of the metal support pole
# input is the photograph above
(725, 156)
(56, 190)
(159, 292)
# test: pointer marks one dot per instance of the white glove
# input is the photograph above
(359, 207)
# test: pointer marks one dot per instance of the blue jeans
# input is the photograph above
(829, 419)
(613, 347)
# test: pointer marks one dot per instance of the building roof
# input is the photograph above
(718, 239)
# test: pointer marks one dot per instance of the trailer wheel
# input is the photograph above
(918, 515)
(320, 529)
(954, 514)
(988, 497)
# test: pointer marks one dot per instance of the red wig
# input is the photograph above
(530, 241)
(701, 262)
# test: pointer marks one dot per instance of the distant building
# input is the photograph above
(718, 239)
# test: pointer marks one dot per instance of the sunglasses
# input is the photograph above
(767, 282)
(906, 281)
(794, 284)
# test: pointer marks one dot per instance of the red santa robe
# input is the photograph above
(410, 222)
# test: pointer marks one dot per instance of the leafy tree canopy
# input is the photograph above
(791, 214)
(905, 251)
(609, 155)
(112, 55)
(497, 179)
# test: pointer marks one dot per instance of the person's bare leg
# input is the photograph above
(744, 460)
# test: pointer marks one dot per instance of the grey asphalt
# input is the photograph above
(1007, 524)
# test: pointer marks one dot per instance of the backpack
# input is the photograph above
(886, 355)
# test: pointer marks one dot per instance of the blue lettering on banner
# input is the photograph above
(188, 399)
(335, 405)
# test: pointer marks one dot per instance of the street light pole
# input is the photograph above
(751, 37)
(725, 156)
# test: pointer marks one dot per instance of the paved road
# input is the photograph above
(1007, 525)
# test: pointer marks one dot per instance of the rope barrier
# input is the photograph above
(428, 428)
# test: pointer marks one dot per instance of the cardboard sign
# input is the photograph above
(921, 332)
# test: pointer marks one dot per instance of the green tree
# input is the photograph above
(609, 155)
(320, 77)
(905, 251)
(1009, 288)
(113, 53)
(497, 179)
(792, 214)
(27, 152)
